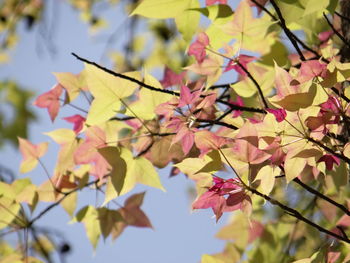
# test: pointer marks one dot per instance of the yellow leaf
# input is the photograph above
(293, 167)
(139, 170)
(31, 153)
(148, 100)
(72, 83)
(69, 204)
(160, 8)
(108, 91)
(68, 144)
(210, 259)
(267, 175)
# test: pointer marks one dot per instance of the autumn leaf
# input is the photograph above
(31, 154)
(78, 122)
(108, 91)
(51, 101)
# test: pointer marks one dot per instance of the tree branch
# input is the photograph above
(286, 30)
(255, 83)
(336, 31)
(177, 94)
(322, 196)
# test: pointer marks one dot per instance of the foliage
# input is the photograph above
(278, 134)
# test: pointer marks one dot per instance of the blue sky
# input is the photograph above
(179, 234)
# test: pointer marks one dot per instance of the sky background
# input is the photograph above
(179, 234)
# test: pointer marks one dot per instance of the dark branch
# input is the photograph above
(336, 31)
(142, 84)
(286, 30)
(261, 94)
(322, 196)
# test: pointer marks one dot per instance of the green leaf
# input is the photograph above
(219, 14)
(315, 6)
(161, 8)
(108, 220)
(116, 178)
(188, 21)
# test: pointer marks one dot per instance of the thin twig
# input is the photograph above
(285, 208)
(287, 31)
(336, 31)
(174, 93)
(322, 196)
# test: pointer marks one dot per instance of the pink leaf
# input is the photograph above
(243, 60)
(186, 97)
(329, 160)
(310, 69)
(238, 102)
(186, 136)
(255, 231)
(212, 2)
(280, 114)
(208, 101)
(325, 35)
(78, 122)
(197, 48)
(170, 78)
(30, 153)
(87, 152)
(50, 100)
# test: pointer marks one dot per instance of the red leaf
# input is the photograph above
(280, 114)
(78, 122)
(197, 48)
(329, 160)
(50, 100)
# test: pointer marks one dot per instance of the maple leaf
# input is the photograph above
(197, 48)
(311, 69)
(187, 97)
(186, 136)
(68, 144)
(243, 60)
(30, 153)
(170, 78)
(51, 101)
(329, 160)
(132, 213)
(87, 152)
(214, 197)
(280, 114)
(78, 122)
(212, 2)
(206, 141)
